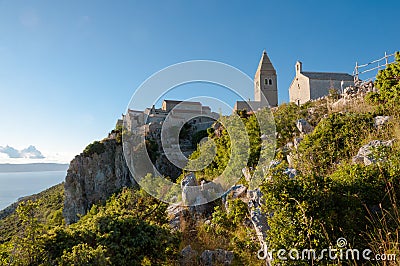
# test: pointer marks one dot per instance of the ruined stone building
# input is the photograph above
(179, 112)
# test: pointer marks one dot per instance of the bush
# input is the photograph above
(388, 83)
(311, 212)
(228, 231)
(285, 120)
(131, 228)
(334, 140)
(94, 147)
(83, 254)
(333, 94)
(229, 146)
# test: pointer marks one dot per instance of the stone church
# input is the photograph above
(265, 87)
(308, 86)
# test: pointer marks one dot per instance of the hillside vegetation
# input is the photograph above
(330, 196)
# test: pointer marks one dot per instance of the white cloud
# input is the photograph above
(28, 153)
(10, 151)
(32, 153)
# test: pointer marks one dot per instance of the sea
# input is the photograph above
(19, 184)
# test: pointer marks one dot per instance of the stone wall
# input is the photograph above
(320, 88)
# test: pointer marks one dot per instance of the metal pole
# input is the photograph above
(356, 74)
(386, 59)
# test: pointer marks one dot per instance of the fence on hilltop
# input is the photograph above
(367, 72)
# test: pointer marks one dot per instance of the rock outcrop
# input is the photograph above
(380, 121)
(239, 191)
(296, 142)
(258, 218)
(175, 213)
(199, 199)
(216, 257)
(365, 153)
(304, 127)
(291, 172)
(188, 256)
(235, 192)
(92, 178)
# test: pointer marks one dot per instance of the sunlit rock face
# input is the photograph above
(93, 178)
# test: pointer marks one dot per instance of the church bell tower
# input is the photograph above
(265, 83)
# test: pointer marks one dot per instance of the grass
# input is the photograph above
(241, 239)
(355, 105)
(384, 234)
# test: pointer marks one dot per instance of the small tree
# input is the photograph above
(333, 94)
(28, 244)
(388, 83)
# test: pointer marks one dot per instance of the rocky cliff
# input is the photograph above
(93, 176)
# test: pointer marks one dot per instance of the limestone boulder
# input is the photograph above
(381, 120)
(257, 217)
(206, 258)
(304, 127)
(188, 256)
(365, 153)
(246, 173)
(238, 191)
(296, 142)
(175, 214)
(199, 198)
(189, 180)
(216, 257)
(291, 172)
(290, 159)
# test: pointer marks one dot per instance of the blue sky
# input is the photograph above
(68, 68)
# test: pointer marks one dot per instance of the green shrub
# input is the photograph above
(388, 83)
(83, 254)
(285, 120)
(48, 212)
(334, 140)
(119, 131)
(312, 212)
(225, 150)
(229, 231)
(94, 147)
(130, 228)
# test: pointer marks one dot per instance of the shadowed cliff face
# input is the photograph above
(92, 178)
